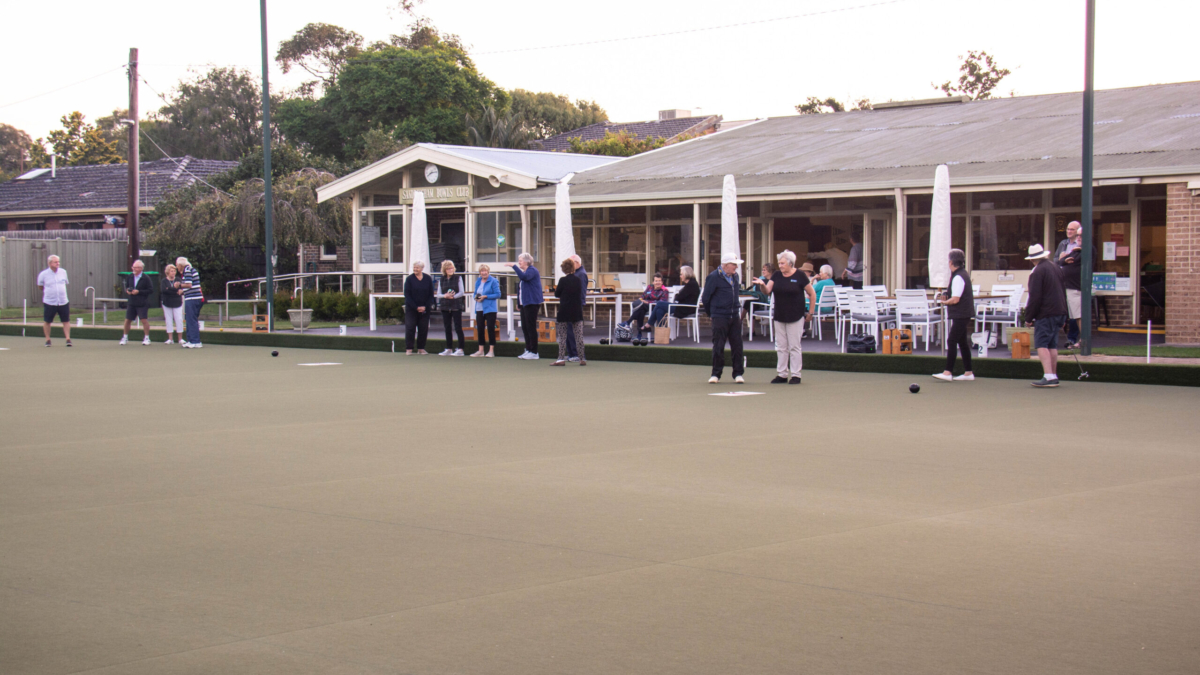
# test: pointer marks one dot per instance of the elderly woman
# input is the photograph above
(570, 312)
(688, 295)
(530, 298)
(824, 280)
(656, 296)
(452, 300)
(418, 303)
(789, 286)
(171, 296)
(487, 291)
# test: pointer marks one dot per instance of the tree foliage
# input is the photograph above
(321, 50)
(217, 115)
(816, 106)
(497, 130)
(14, 151)
(77, 143)
(546, 114)
(979, 75)
(622, 144)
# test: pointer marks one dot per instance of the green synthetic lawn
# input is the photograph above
(1156, 351)
(220, 510)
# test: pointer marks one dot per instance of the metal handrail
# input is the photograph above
(85, 292)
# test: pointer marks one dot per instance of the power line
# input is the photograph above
(65, 86)
(695, 30)
(182, 167)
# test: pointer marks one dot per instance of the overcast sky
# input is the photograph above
(871, 49)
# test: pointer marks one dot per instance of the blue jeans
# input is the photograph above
(191, 308)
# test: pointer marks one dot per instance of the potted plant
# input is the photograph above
(300, 318)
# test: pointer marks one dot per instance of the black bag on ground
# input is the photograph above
(860, 344)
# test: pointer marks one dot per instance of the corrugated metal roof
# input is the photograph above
(1138, 131)
(549, 166)
(664, 129)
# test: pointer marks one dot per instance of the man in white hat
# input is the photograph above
(720, 302)
(1046, 311)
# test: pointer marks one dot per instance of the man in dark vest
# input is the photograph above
(720, 302)
(1046, 311)
(960, 310)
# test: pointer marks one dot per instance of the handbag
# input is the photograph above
(860, 344)
(622, 333)
(662, 332)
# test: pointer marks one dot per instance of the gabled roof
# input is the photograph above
(102, 188)
(664, 129)
(1139, 132)
(520, 168)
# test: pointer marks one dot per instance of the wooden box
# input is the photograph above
(547, 330)
(259, 324)
(1019, 345)
(896, 341)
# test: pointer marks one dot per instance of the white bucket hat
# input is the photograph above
(1036, 252)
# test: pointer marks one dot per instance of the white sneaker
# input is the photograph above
(714, 380)
(533, 356)
(196, 345)
(524, 355)
(447, 352)
(574, 359)
(146, 340)
(943, 377)
(458, 352)
(185, 345)
(169, 342)
(965, 377)
(739, 380)
(124, 340)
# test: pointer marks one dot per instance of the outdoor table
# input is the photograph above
(593, 298)
(371, 303)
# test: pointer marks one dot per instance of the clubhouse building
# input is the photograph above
(810, 182)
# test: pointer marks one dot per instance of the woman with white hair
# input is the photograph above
(530, 298)
(418, 303)
(452, 301)
(824, 280)
(688, 295)
(788, 286)
(487, 292)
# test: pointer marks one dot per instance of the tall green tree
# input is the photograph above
(622, 144)
(546, 114)
(816, 106)
(217, 115)
(14, 151)
(76, 143)
(321, 50)
(418, 95)
(979, 75)
(497, 130)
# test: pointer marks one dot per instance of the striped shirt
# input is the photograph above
(191, 275)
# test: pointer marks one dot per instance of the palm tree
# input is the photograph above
(493, 130)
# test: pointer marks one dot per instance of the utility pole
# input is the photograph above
(268, 200)
(1089, 42)
(134, 196)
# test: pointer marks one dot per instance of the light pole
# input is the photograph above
(268, 201)
(1085, 221)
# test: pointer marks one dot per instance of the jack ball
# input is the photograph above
(914, 388)
(277, 354)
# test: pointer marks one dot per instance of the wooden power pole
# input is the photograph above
(135, 197)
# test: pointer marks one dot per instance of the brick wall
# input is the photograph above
(1119, 311)
(1183, 265)
(312, 253)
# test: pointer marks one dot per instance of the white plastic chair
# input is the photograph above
(1003, 312)
(693, 321)
(841, 296)
(912, 309)
(766, 314)
(864, 311)
(880, 291)
(826, 309)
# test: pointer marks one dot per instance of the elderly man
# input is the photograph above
(53, 281)
(193, 300)
(1069, 258)
(138, 289)
(1046, 311)
(854, 264)
(581, 274)
(720, 302)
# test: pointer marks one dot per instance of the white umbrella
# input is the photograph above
(731, 249)
(939, 230)
(564, 236)
(419, 251)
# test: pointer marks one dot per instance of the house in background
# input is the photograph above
(671, 126)
(80, 197)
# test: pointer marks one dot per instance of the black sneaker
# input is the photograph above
(794, 380)
(1044, 383)
(779, 380)
(68, 343)
(47, 343)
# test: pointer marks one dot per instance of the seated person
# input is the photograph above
(656, 297)
(688, 295)
(824, 280)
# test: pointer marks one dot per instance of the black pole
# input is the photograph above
(268, 200)
(1085, 222)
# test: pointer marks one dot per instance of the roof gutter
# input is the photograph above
(70, 212)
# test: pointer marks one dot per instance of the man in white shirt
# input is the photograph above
(53, 281)
(836, 257)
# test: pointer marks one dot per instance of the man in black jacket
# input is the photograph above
(1046, 311)
(138, 289)
(1069, 258)
(720, 302)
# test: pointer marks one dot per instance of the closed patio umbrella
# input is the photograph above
(564, 236)
(731, 250)
(420, 235)
(939, 230)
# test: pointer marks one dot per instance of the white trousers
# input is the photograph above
(174, 319)
(789, 359)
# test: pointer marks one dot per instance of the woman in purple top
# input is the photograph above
(656, 297)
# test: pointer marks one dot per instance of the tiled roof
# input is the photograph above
(103, 187)
(655, 128)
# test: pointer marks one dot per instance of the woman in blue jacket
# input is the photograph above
(487, 292)
(530, 298)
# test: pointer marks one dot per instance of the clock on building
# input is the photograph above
(431, 173)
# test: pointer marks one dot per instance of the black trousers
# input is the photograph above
(529, 315)
(727, 329)
(959, 339)
(453, 320)
(489, 321)
(416, 325)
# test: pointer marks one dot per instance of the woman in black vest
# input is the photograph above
(452, 301)
(960, 310)
(569, 291)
